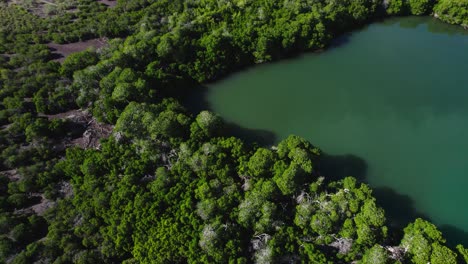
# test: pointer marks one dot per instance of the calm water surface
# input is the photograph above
(394, 94)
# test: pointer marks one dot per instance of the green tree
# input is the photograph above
(78, 61)
(424, 242)
(6, 248)
(463, 252)
(442, 255)
(376, 255)
(210, 123)
(452, 11)
(261, 163)
(420, 7)
(291, 180)
(397, 7)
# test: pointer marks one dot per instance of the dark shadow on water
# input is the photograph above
(454, 235)
(399, 210)
(252, 136)
(196, 101)
(339, 41)
(336, 167)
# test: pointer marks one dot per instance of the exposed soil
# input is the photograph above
(61, 51)
(108, 3)
(39, 208)
(6, 55)
(13, 175)
(72, 115)
(93, 130)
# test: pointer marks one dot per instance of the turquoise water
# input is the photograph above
(394, 94)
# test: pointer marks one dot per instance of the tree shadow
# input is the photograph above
(454, 235)
(340, 41)
(251, 136)
(54, 54)
(74, 129)
(336, 167)
(196, 101)
(399, 210)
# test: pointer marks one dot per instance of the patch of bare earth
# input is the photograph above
(108, 3)
(6, 55)
(61, 51)
(39, 208)
(12, 175)
(43, 206)
(93, 131)
(72, 115)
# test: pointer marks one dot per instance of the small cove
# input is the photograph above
(393, 94)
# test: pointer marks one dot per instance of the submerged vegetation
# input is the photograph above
(101, 163)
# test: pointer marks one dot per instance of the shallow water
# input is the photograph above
(394, 94)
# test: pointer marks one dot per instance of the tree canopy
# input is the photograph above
(102, 163)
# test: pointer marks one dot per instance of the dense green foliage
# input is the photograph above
(169, 186)
(453, 11)
(450, 11)
(413, 7)
(163, 190)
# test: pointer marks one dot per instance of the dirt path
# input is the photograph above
(108, 3)
(47, 2)
(64, 50)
